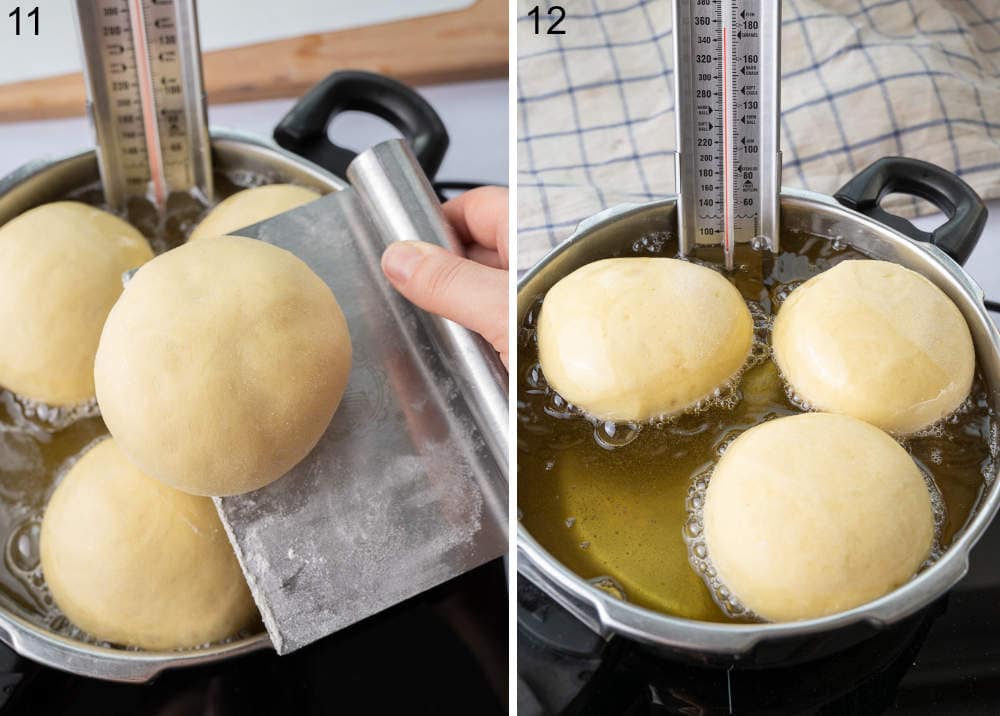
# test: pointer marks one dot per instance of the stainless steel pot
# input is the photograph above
(759, 645)
(303, 131)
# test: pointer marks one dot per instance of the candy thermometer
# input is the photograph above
(146, 98)
(727, 60)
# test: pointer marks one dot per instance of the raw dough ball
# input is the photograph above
(221, 365)
(61, 271)
(877, 341)
(249, 206)
(635, 338)
(814, 514)
(134, 562)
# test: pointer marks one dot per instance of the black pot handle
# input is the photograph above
(303, 129)
(966, 212)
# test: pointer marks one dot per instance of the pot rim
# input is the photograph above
(219, 135)
(607, 616)
(32, 640)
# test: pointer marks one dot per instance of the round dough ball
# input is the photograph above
(221, 365)
(249, 206)
(814, 514)
(134, 562)
(877, 341)
(636, 338)
(61, 268)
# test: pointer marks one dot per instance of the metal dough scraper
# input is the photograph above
(408, 486)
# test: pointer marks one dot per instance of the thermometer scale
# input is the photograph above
(142, 66)
(727, 60)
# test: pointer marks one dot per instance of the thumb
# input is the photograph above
(456, 288)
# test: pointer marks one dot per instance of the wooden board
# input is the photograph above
(457, 46)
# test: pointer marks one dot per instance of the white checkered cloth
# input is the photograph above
(861, 79)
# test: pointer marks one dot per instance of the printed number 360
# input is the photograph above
(556, 13)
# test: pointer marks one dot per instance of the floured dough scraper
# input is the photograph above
(408, 487)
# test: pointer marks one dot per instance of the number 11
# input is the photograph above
(16, 14)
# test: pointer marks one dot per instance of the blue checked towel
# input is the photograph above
(861, 79)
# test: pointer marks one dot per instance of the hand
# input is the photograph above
(470, 290)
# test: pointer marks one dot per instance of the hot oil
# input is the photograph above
(38, 444)
(615, 515)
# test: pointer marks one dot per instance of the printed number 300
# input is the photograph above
(556, 15)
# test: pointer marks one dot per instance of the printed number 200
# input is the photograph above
(557, 13)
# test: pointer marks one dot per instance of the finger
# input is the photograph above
(480, 216)
(484, 256)
(476, 213)
(451, 286)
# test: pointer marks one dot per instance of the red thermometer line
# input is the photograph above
(728, 237)
(144, 71)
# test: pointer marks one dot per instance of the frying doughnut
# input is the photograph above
(61, 268)
(134, 562)
(814, 514)
(637, 338)
(877, 341)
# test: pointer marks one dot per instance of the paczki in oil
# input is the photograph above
(613, 511)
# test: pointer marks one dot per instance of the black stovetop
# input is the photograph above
(944, 660)
(443, 652)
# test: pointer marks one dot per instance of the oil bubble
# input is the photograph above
(610, 435)
(794, 398)
(559, 407)
(52, 418)
(781, 294)
(534, 378)
(989, 471)
(698, 555)
(22, 547)
(651, 244)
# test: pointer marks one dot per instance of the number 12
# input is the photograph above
(555, 10)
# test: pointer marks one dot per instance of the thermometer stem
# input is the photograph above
(142, 66)
(727, 60)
